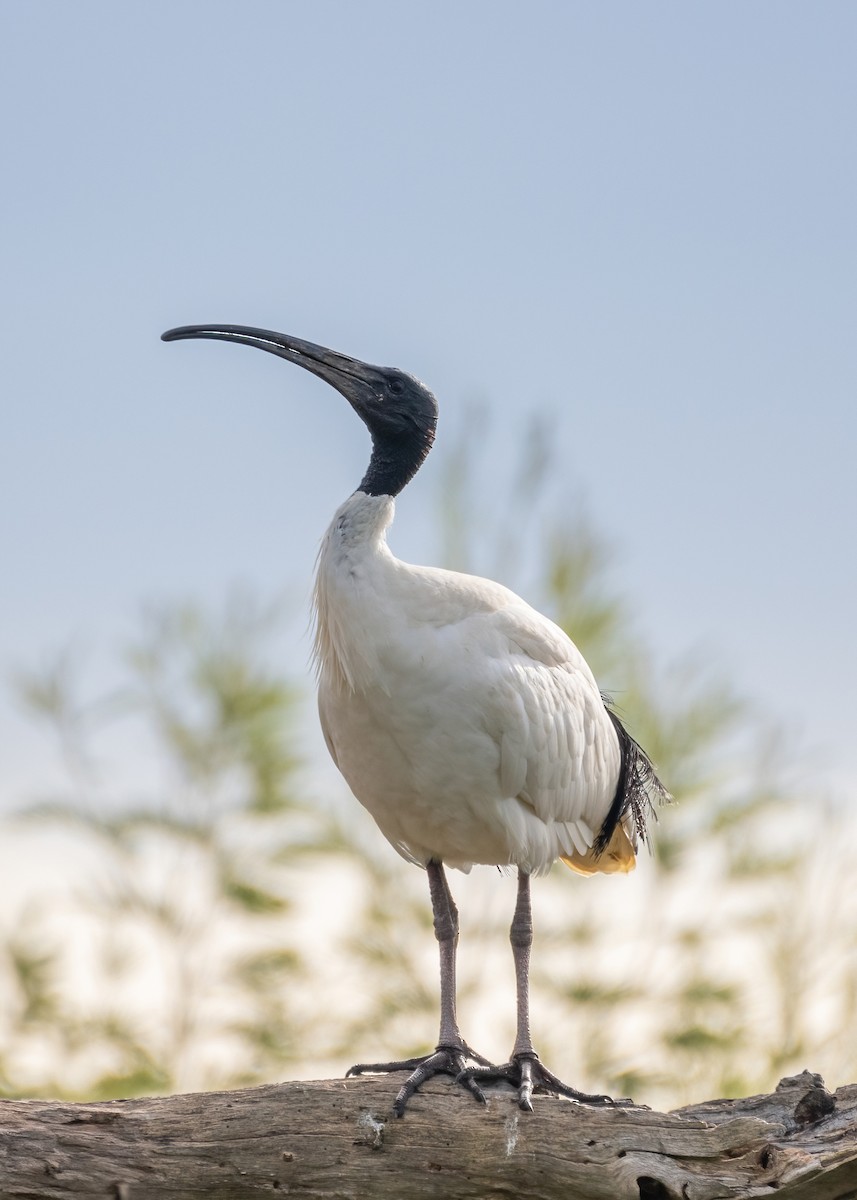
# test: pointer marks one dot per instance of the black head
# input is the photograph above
(399, 411)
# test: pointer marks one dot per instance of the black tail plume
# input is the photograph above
(637, 791)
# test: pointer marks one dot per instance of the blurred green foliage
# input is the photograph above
(232, 926)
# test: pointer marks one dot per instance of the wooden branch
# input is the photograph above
(338, 1138)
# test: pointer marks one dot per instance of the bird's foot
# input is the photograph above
(445, 1060)
(526, 1073)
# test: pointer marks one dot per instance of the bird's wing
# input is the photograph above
(559, 753)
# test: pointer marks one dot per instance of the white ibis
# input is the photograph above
(468, 724)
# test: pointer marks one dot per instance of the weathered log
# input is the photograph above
(338, 1138)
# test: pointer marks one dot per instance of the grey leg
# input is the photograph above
(452, 1051)
(521, 937)
(524, 1070)
(446, 932)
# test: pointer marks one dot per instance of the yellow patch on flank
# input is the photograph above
(619, 856)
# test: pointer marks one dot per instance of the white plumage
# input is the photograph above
(468, 724)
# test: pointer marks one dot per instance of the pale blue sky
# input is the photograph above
(639, 217)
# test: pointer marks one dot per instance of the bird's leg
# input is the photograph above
(446, 931)
(451, 1052)
(521, 937)
(524, 1070)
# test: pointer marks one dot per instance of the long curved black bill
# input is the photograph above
(339, 370)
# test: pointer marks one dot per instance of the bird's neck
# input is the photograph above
(359, 528)
(395, 461)
(350, 595)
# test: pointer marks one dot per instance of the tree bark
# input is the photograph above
(338, 1138)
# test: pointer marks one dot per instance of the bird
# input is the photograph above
(466, 722)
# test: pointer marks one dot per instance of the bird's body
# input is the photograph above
(468, 724)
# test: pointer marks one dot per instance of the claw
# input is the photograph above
(473, 1087)
(527, 1074)
(404, 1064)
(525, 1091)
(446, 1060)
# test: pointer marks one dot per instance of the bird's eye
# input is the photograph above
(396, 387)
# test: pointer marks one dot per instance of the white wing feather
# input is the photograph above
(559, 753)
